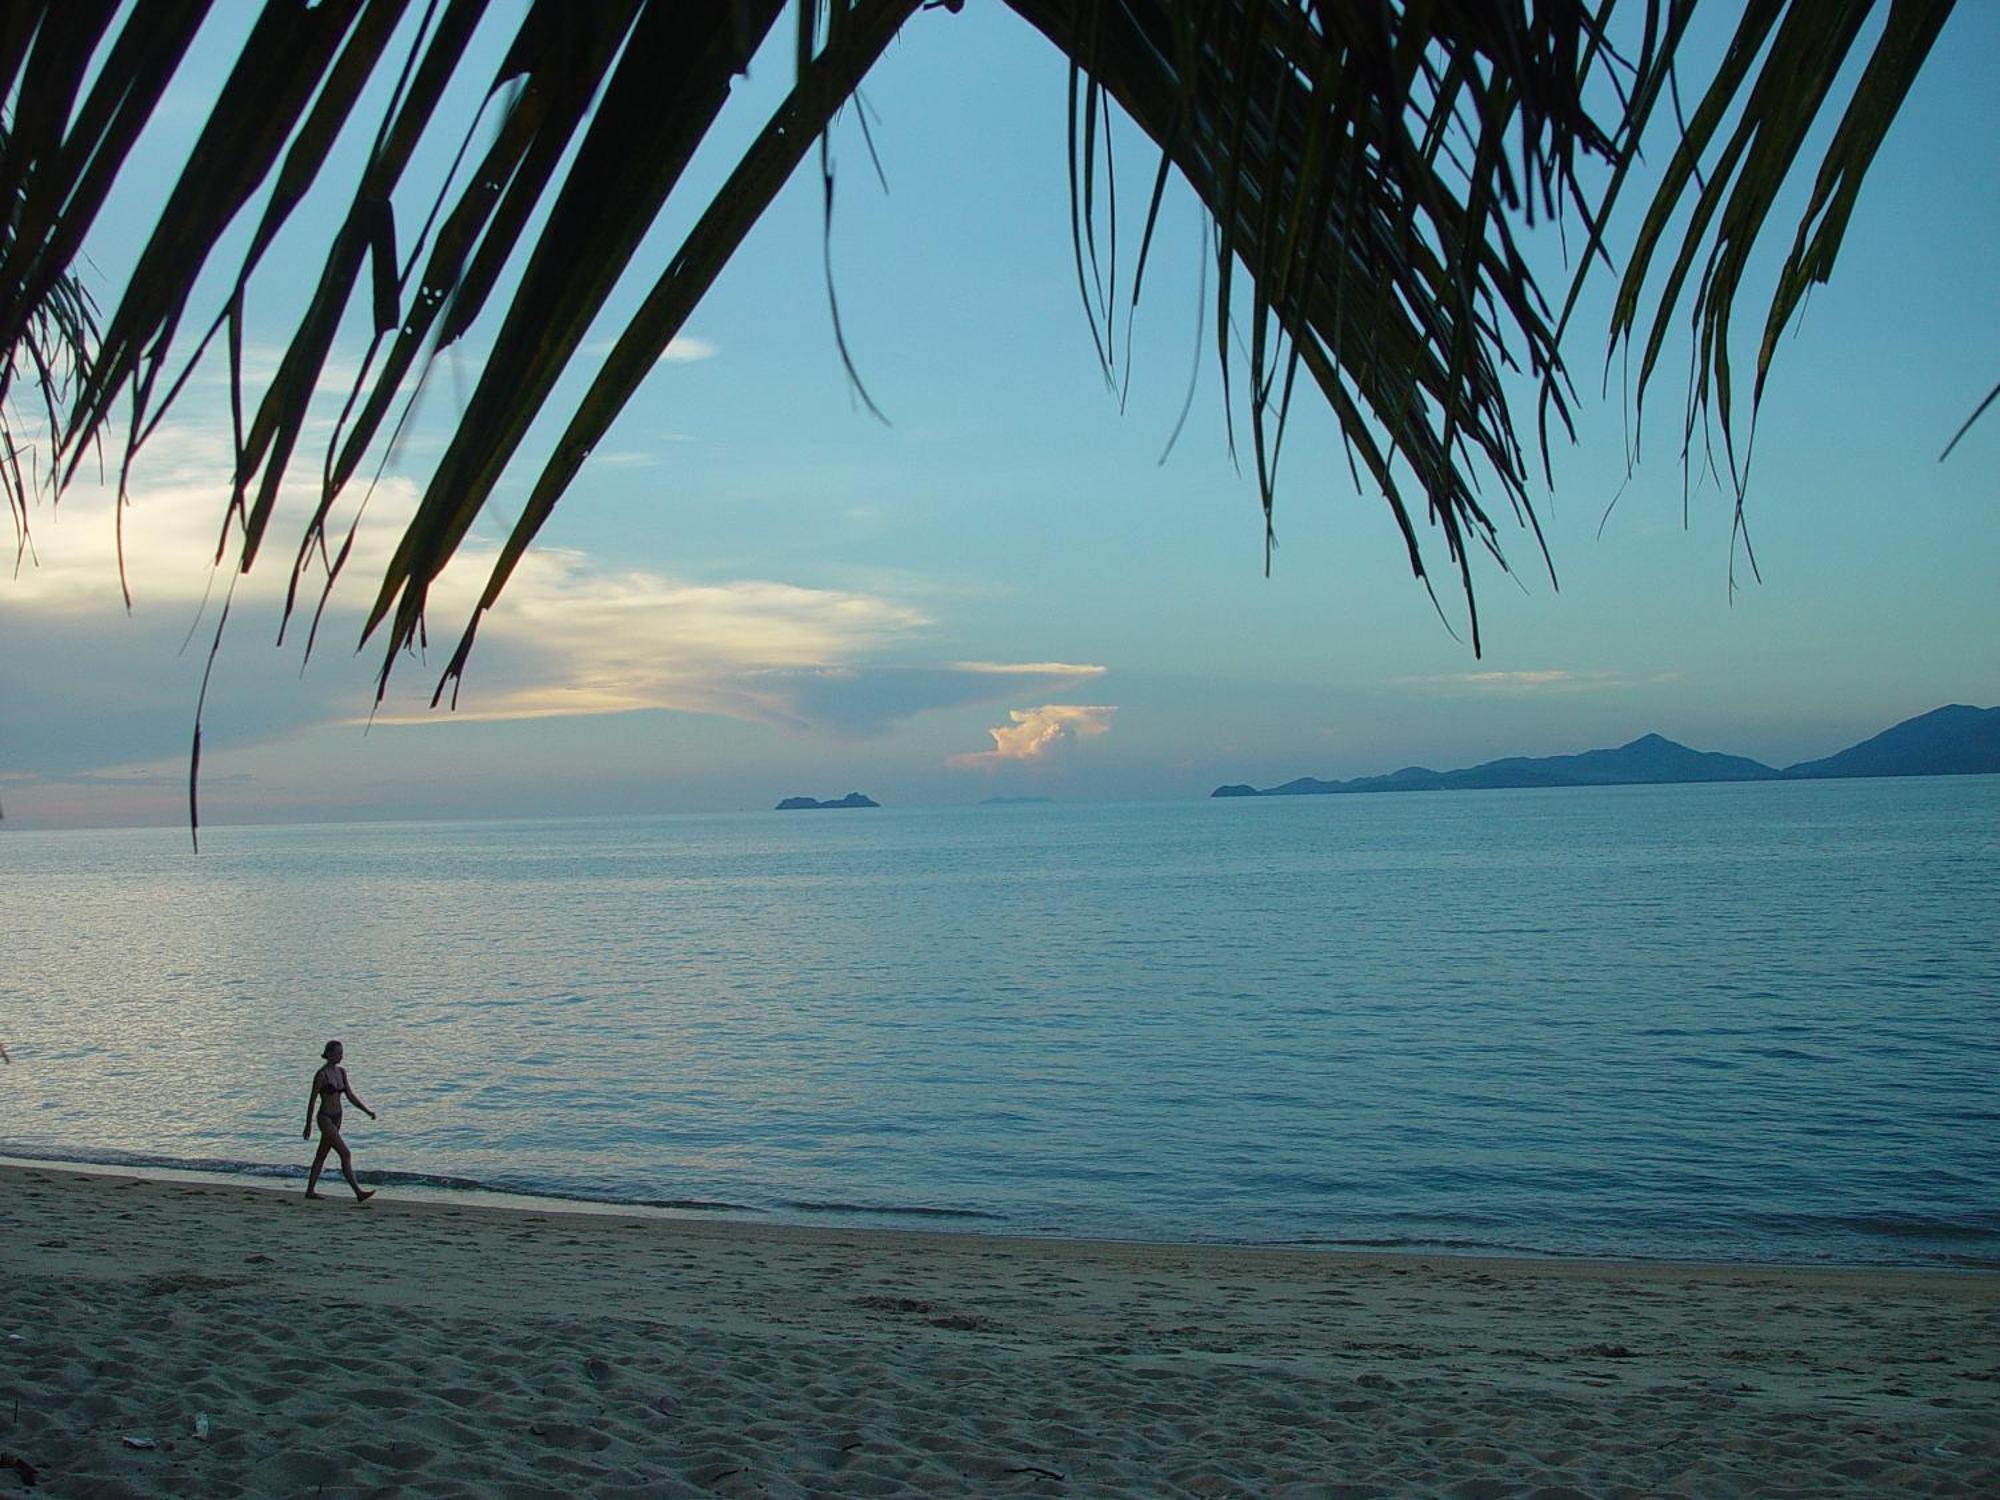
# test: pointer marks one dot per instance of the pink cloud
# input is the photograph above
(1036, 733)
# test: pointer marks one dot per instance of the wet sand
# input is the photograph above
(435, 1349)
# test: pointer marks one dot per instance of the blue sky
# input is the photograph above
(756, 589)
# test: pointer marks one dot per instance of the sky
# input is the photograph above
(756, 589)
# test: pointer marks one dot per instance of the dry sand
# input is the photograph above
(435, 1349)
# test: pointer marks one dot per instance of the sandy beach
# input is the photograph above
(427, 1348)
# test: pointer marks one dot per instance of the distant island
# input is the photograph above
(813, 804)
(1952, 741)
(1012, 801)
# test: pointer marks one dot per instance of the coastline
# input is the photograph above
(904, 1218)
(451, 1348)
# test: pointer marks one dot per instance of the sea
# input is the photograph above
(1754, 1022)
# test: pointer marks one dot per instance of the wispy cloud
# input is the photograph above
(685, 350)
(1034, 734)
(570, 637)
(173, 529)
(261, 363)
(1551, 680)
(576, 639)
(174, 780)
(1071, 671)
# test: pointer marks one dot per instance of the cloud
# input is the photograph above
(864, 700)
(684, 350)
(1037, 733)
(175, 780)
(570, 637)
(261, 363)
(1553, 680)
(172, 529)
(91, 690)
(1063, 669)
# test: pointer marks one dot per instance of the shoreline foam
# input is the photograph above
(915, 1218)
(443, 1349)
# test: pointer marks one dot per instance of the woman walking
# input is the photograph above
(329, 1087)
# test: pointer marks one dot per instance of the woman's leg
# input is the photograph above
(319, 1160)
(347, 1168)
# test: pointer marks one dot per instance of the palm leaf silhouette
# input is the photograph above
(1369, 166)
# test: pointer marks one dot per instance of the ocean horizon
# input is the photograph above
(1745, 1022)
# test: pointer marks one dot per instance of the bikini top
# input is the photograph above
(331, 1083)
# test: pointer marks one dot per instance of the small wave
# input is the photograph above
(138, 1160)
(388, 1177)
(897, 1210)
(1970, 1262)
(552, 1192)
(1888, 1226)
(691, 1205)
(1411, 1242)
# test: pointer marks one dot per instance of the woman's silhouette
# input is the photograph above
(329, 1086)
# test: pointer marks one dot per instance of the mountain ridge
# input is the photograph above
(1955, 740)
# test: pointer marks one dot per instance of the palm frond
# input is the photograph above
(824, 85)
(53, 345)
(1776, 83)
(1366, 171)
(1370, 167)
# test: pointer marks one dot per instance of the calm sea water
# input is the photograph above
(1756, 1022)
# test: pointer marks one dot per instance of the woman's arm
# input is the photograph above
(348, 1089)
(312, 1093)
